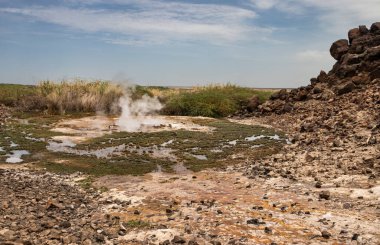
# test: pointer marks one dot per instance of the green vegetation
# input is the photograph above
(16, 94)
(133, 224)
(87, 183)
(91, 96)
(211, 101)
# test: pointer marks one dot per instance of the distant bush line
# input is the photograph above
(92, 96)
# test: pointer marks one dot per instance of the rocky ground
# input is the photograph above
(324, 187)
(210, 207)
(43, 208)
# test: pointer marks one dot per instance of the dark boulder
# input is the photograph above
(282, 95)
(375, 74)
(363, 30)
(301, 95)
(375, 27)
(178, 240)
(339, 48)
(287, 108)
(353, 34)
(313, 81)
(345, 88)
(357, 80)
(317, 90)
(322, 77)
(253, 103)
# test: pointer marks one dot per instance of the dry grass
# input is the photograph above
(80, 96)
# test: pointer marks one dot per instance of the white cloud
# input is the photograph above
(334, 15)
(346, 13)
(288, 6)
(147, 20)
(313, 55)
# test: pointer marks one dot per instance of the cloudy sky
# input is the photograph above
(256, 43)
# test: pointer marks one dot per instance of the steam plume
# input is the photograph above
(136, 115)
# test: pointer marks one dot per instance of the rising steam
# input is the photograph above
(136, 115)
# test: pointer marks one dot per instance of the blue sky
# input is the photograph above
(256, 43)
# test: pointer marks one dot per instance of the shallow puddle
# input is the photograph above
(15, 156)
(199, 157)
(257, 137)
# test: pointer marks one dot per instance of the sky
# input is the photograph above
(254, 43)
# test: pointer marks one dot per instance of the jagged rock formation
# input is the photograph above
(357, 68)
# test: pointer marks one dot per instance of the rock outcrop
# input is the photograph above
(333, 124)
(357, 68)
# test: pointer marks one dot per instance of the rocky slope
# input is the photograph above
(334, 127)
(357, 69)
(336, 119)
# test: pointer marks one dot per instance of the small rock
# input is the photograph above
(192, 242)
(178, 240)
(65, 224)
(268, 230)
(346, 205)
(355, 237)
(255, 222)
(324, 195)
(216, 243)
(166, 242)
(326, 234)
(318, 184)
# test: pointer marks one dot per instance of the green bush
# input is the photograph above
(211, 101)
(15, 94)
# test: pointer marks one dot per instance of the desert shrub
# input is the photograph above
(80, 96)
(211, 101)
(138, 91)
(16, 94)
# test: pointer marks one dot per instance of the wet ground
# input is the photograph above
(103, 145)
